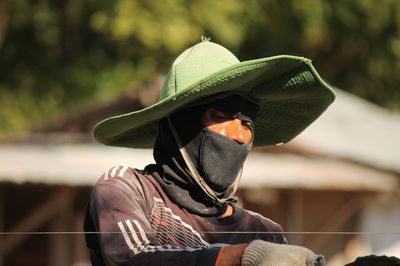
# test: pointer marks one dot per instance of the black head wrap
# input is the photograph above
(217, 158)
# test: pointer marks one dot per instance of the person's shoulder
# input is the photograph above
(120, 188)
(270, 224)
(118, 173)
(121, 177)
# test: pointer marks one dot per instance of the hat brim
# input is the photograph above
(288, 88)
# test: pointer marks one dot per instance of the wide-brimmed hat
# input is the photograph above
(289, 90)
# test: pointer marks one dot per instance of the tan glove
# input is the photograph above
(262, 253)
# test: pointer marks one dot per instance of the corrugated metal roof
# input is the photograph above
(83, 164)
(282, 170)
(78, 164)
(355, 129)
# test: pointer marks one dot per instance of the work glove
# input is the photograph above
(262, 253)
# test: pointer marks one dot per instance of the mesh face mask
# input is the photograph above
(221, 159)
(215, 161)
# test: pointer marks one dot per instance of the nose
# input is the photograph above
(238, 132)
(233, 129)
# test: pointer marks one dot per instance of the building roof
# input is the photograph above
(83, 164)
(74, 164)
(284, 170)
(356, 130)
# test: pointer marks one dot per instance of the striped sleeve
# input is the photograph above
(121, 210)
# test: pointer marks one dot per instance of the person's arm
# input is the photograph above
(120, 213)
(231, 255)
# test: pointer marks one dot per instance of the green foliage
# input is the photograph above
(60, 53)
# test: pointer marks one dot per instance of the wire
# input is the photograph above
(206, 232)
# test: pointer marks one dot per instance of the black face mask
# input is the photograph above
(220, 159)
(217, 158)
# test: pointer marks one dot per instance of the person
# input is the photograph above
(182, 209)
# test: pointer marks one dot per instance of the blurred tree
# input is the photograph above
(58, 54)
(3, 20)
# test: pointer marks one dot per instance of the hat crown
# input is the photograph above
(194, 64)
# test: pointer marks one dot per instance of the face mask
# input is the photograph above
(217, 159)
(220, 159)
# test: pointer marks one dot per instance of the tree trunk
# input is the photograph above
(3, 21)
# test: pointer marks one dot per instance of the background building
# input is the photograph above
(337, 178)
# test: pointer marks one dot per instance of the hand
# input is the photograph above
(231, 255)
(262, 253)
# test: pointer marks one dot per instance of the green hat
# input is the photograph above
(289, 90)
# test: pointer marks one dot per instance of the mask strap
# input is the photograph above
(195, 174)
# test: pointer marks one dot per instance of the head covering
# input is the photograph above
(218, 160)
(288, 89)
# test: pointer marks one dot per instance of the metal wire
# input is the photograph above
(206, 232)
